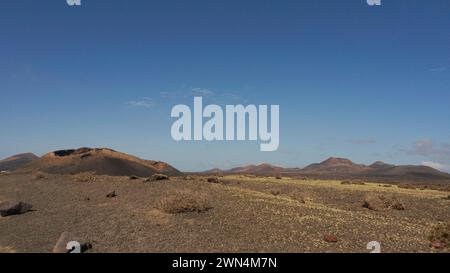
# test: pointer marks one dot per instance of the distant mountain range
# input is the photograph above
(109, 162)
(341, 168)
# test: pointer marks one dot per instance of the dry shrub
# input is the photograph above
(39, 175)
(379, 202)
(183, 201)
(406, 186)
(7, 249)
(213, 180)
(299, 197)
(275, 192)
(84, 177)
(357, 182)
(440, 234)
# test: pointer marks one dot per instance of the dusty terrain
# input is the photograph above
(240, 213)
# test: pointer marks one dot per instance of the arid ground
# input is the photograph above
(239, 213)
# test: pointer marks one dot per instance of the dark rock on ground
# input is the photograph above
(111, 194)
(439, 235)
(330, 238)
(157, 177)
(9, 208)
(438, 245)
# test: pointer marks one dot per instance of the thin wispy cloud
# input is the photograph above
(436, 165)
(143, 103)
(211, 95)
(422, 147)
(439, 69)
(429, 148)
(363, 141)
(434, 154)
(196, 91)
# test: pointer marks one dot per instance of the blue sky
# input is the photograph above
(366, 83)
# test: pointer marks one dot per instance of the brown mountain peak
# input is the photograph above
(337, 161)
(102, 161)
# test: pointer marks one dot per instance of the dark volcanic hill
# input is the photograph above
(410, 171)
(335, 165)
(215, 171)
(16, 161)
(98, 161)
(380, 165)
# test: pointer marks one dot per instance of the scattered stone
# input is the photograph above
(111, 194)
(134, 177)
(87, 199)
(9, 208)
(67, 237)
(213, 180)
(438, 245)
(330, 238)
(157, 177)
(439, 235)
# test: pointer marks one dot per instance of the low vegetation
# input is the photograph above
(39, 175)
(213, 180)
(84, 177)
(182, 202)
(378, 202)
